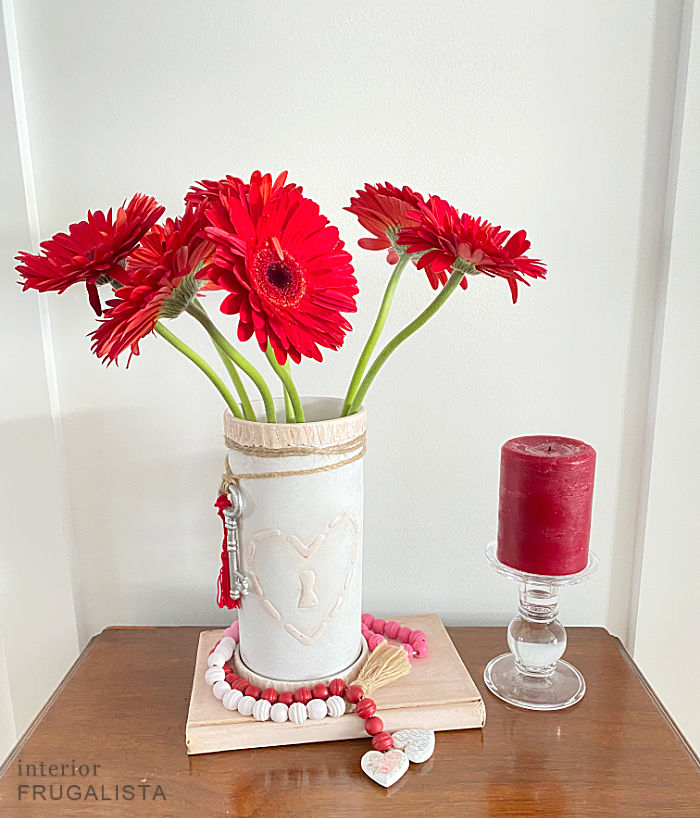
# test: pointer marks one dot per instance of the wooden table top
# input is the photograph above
(124, 705)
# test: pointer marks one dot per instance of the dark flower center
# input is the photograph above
(278, 277)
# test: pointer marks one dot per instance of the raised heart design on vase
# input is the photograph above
(417, 744)
(384, 768)
(302, 592)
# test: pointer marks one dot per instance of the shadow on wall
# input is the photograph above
(35, 586)
(147, 538)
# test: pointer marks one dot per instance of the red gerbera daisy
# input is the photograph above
(158, 284)
(447, 239)
(91, 249)
(384, 211)
(284, 265)
(209, 191)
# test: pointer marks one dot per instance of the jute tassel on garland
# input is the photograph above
(385, 665)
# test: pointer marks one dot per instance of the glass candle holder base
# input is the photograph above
(533, 675)
(563, 687)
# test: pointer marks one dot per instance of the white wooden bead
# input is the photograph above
(214, 674)
(317, 709)
(245, 705)
(226, 646)
(216, 659)
(220, 689)
(297, 713)
(279, 712)
(231, 699)
(336, 706)
(261, 710)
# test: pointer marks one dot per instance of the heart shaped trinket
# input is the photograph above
(384, 768)
(417, 744)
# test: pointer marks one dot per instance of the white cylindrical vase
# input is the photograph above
(300, 534)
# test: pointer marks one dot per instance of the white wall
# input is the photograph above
(519, 122)
(555, 117)
(38, 639)
(667, 621)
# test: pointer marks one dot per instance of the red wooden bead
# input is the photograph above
(240, 684)
(378, 625)
(354, 693)
(365, 708)
(286, 698)
(382, 742)
(374, 725)
(321, 691)
(337, 687)
(269, 694)
(253, 690)
(303, 695)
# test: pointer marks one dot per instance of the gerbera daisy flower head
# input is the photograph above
(208, 191)
(160, 283)
(91, 250)
(383, 210)
(448, 240)
(284, 266)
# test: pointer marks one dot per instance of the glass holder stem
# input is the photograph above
(533, 675)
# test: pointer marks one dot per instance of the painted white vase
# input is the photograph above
(300, 534)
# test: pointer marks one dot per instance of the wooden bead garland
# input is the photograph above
(321, 700)
(376, 631)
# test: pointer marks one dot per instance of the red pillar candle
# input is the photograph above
(545, 499)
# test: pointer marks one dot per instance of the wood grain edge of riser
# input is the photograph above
(218, 738)
(472, 706)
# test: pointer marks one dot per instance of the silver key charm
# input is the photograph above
(232, 514)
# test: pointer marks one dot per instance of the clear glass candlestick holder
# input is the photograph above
(533, 675)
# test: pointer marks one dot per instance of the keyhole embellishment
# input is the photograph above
(308, 598)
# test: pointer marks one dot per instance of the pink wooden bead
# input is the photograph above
(420, 647)
(235, 631)
(404, 634)
(374, 640)
(392, 628)
(367, 620)
(416, 635)
(378, 625)
(409, 650)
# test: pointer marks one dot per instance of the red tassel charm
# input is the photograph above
(223, 586)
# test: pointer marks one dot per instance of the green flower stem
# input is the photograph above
(290, 390)
(240, 360)
(289, 415)
(406, 332)
(375, 333)
(171, 338)
(236, 379)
